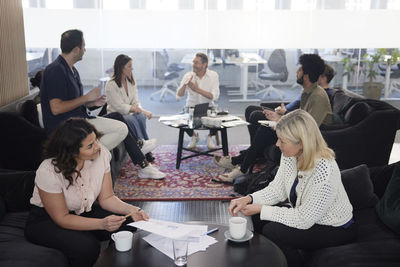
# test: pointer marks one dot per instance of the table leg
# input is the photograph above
(387, 81)
(179, 152)
(244, 69)
(224, 138)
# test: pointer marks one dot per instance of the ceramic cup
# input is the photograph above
(237, 227)
(123, 240)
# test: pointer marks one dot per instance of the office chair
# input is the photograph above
(277, 64)
(257, 69)
(173, 66)
(160, 71)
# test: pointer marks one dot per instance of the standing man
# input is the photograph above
(62, 97)
(202, 86)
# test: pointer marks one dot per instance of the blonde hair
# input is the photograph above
(299, 127)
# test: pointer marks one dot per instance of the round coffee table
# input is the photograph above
(259, 251)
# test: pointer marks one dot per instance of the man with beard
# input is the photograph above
(202, 86)
(314, 100)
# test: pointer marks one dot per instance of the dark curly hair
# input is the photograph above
(119, 64)
(64, 143)
(35, 81)
(313, 65)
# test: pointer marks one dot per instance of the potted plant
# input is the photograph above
(348, 67)
(372, 89)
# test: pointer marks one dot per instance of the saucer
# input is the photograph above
(247, 236)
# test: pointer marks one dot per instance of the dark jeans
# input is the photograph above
(81, 248)
(291, 240)
(264, 137)
(130, 141)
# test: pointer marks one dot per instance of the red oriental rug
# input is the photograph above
(191, 182)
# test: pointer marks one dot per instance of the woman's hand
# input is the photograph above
(251, 209)
(112, 223)
(148, 114)
(238, 204)
(140, 215)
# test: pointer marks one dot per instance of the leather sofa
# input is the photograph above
(376, 245)
(22, 139)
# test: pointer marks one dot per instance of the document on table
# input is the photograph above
(174, 117)
(164, 244)
(171, 229)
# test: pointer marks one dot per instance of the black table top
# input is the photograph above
(259, 251)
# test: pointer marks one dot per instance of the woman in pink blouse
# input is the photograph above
(73, 203)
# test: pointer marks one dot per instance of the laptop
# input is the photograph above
(199, 111)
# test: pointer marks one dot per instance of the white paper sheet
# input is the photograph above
(164, 244)
(171, 229)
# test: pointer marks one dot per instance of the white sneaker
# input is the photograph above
(229, 177)
(194, 141)
(151, 172)
(210, 142)
(148, 145)
(224, 162)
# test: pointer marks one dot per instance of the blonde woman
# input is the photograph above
(316, 212)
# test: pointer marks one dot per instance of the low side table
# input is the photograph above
(224, 148)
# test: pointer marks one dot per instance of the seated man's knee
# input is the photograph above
(250, 110)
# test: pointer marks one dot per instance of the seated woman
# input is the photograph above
(318, 213)
(73, 203)
(122, 97)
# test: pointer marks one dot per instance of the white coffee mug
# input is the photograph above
(237, 227)
(123, 240)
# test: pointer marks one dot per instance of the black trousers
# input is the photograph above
(81, 248)
(130, 141)
(264, 137)
(253, 114)
(292, 240)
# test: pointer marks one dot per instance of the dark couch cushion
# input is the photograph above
(2, 208)
(368, 254)
(16, 251)
(21, 143)
(380, 177)
(16, 189)
(359, 187)
(388, 207)
(357, 113)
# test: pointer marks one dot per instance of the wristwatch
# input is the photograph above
(251, 201)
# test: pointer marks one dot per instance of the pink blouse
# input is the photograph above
(80, 195)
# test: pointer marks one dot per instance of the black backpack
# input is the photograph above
(252, 182)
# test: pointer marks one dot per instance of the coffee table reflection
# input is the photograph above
(259, 251)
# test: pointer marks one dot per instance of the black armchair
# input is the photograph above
(367, 133)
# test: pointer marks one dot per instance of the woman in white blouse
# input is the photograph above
(75, 174)
(122, 97)
(317, 212)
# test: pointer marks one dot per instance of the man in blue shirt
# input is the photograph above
(62, 97)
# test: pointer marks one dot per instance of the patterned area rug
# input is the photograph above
(191, 182)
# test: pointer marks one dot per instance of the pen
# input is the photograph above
(211, 231)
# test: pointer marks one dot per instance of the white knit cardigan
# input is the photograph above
(321, 197)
